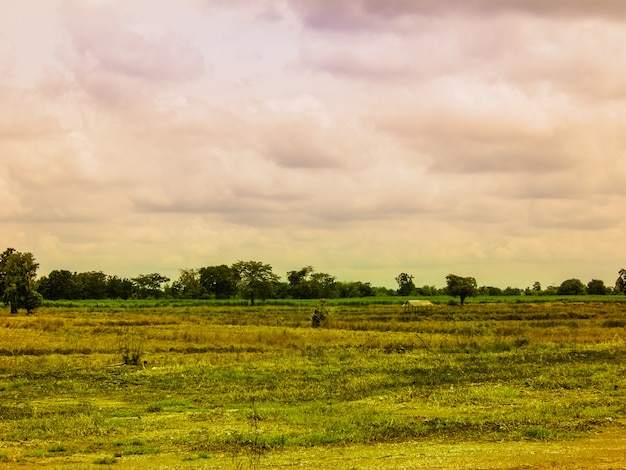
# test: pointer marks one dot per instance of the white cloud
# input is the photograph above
(366, 139)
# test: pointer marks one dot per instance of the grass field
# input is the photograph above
(500, 385)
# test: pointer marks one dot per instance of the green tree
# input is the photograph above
(426, 290)
(322, 285)
(17, 280)
(299, 283)
(462, 286)
(536, 289)
(571, 287)
(59, 284)
(218, 281)
(511, 291)
(92, 284)
(490, 291)
(620, 283)
(188, 285)
(307, 284)
(354, 289)
(405, 284)
(4, 259)
(119, 288)
(596, 287)
(550, 290)
(255, 280)
(149, 285)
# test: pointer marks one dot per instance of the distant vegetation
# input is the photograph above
(248, 281)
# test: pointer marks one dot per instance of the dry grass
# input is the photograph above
(241, 387)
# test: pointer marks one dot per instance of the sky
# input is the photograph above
(366, 138)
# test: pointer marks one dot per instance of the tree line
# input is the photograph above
(251, 280)
(467, 287)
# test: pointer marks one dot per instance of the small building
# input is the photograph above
(415, 305)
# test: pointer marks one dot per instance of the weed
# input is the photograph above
(536, 432)
(252, 444)
(131, 346)
(199, 456)
(144, 450)
(57, 449)
(155, 408)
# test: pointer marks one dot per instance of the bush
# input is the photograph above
(321, 315)
(572, 287)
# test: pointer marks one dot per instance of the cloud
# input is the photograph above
(114, 57)
(565, 215)
(367, 139)
(352, 16)
(7, 60)
(578, 57)
(10, 203)
(298, 133)
(383, 58)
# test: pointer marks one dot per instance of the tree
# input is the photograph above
(4, 259)
(354, 289)
(462, 286)
(299, 285)
(17, 280)
(218, 281)
(490, 291)
(405, 284)
(118, 288)
(511, 291)
(596, 287)
(255, 280)
(426, 290)
(620, 283)
(322, 285)
(149, 285)
(550, 290)
(59, 284)
(536, 289)
(307, 284)
(571, 287)
(92, 284)
(188, 284)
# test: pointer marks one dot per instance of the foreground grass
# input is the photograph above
(252, 383)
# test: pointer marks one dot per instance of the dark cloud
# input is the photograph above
(301, 150)
(533, 156)
(458, 141)
(362, 15)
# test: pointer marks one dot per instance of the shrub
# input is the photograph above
(321, 315)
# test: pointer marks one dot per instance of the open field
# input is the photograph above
(507, 385)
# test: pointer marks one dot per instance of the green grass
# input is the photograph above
(359, 301)
(247, 382)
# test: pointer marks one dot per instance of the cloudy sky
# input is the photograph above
(482, 138)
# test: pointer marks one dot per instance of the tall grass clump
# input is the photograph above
(131, 346)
